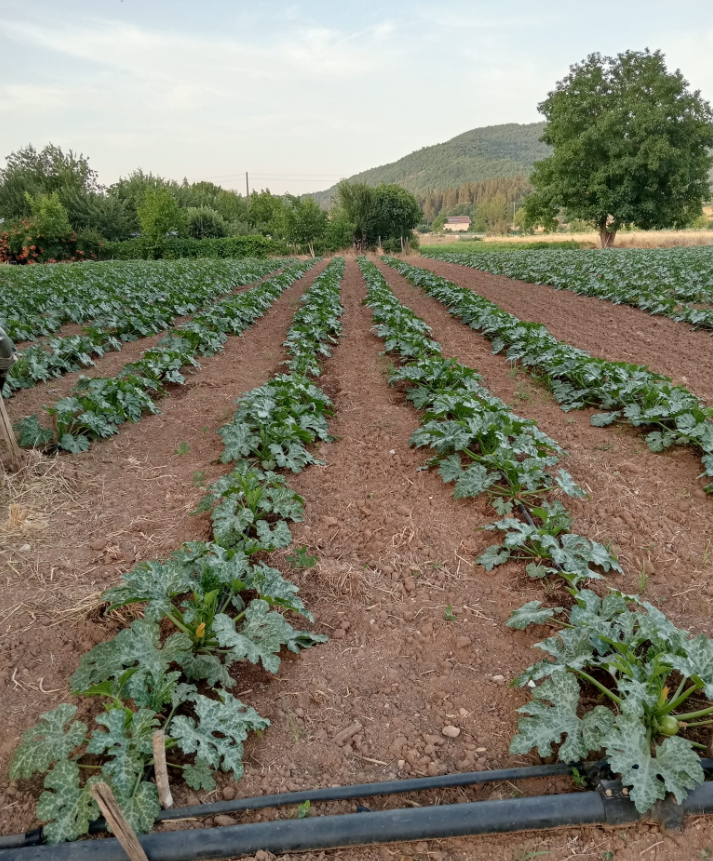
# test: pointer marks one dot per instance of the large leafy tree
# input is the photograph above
(160, 214)
(630, 145)
(380, 213)
(30, 172)
(305, 222)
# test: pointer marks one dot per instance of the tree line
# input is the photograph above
(53, 207)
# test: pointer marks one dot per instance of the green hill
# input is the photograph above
(486, 153)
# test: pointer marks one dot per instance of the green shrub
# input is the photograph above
(175, 248)
(206, 223)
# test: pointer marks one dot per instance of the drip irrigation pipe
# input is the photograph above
(603, 807)
(619, 810)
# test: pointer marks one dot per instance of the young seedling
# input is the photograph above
(301, 560)
(449, 615)
(183, 448)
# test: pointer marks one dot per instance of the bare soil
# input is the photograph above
(396, 564)
(615, 332)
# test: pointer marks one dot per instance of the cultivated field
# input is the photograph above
(293, 601)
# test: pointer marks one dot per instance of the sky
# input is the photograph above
(301, 94)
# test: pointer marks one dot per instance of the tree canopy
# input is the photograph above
(305, 222)
(378, 214)
(630, 145)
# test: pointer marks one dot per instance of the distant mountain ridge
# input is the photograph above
(490, 152)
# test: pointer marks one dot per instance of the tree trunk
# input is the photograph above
(311, 248)
(607, 237)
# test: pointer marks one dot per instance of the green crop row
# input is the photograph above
(38, 300)
(98, 407)
(120, 322)
(209, 607)
(617, 647)
(667, 282)
(631, 394)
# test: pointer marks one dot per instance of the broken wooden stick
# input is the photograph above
(123, 832)
(161, 770)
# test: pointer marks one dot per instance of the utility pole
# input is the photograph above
(247, 188)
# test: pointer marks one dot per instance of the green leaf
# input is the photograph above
(601, 420)
(270, 585)
(199, 775)
(156, 583)
(496, 554)
(276, 538)
(675, 768)
(73, 444)
(261, 635)
(218, 731)
(32, 434)
(47, 742)
(538, 571)
(568, 484)
(142, 808)
(450, 468)
(698, 662)
(68, 810)
(474, 481)
(532, 613)
(134, 646)
(239, 441)
(208, 667)
(127, 742)
(547, 724)
(502, 506)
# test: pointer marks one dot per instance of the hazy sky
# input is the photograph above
(301, 94)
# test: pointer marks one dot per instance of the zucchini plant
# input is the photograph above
(646, 673)
(208, 608)
(631, 394)
(666, 282)
(97, 408)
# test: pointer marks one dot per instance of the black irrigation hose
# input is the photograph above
(340, 793)
(605, 807)
(393, 825)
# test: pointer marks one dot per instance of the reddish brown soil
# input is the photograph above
(395, 557)
(614, 332)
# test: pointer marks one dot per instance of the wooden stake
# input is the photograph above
(161, 770)
(123, 832)
(7, 435)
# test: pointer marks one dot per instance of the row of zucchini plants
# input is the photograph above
(622, 652)
(659, 281)
(129, 317)
(208, 608)
(38, 300)
(98, 407)
(630, 394)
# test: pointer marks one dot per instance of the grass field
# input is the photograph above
(624, 239)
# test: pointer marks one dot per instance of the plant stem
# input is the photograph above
(701, 713)
(179, 625)
(674, 704)
(599, 685)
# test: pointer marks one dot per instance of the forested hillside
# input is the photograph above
(491, 152)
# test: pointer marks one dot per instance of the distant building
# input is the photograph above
(457, 222)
